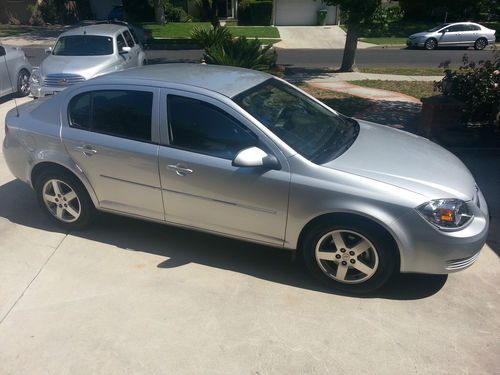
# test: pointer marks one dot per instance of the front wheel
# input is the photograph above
(23, 83)
(350, 258)
(480, 44)
(430, 44)
(64, 199)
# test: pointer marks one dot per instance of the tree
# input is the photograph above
(159, 11)
(356, 14)
(210, 9)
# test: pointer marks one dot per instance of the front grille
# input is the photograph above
(457, 264)
(61, 80)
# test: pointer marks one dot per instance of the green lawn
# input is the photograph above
(408, 71)
(384, 40)
(12, 30)
(183, 30)
(416, 89)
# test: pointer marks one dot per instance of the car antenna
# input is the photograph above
(10, 80)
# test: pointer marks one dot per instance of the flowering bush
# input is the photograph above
(477, 86)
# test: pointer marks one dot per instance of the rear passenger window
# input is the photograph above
(129, 39)
(122, 113)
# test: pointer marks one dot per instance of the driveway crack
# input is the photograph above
(34, 278)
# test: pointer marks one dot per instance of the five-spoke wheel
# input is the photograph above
(23, 83)
(64, 198)
(351, 257)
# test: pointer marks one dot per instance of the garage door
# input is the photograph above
(300, 12)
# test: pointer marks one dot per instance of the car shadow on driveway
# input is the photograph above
(181, 246)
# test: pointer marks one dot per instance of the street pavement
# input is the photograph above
(322, 58)
(126, 296)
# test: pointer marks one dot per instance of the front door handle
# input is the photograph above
(181, 171)
(86, 150)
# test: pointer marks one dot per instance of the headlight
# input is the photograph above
(446, 213)
(35, 77)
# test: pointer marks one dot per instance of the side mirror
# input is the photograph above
(125, 50)
(48, 51)
(2, 51)
(255, 157)
(444, 31)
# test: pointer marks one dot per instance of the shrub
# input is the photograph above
(207, 38)
(175, 14)
(221, 49)
(477, 85)
(49, 12)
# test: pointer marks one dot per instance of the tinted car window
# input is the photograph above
(129, 39)
(83, 45)
(473, 27)
(200, 127)
(123, 113)
(120, 42)
(456, 28)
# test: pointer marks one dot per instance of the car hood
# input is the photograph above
(86, 66)
(406, 160)
(419, 35)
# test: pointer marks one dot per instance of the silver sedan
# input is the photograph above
(243, 154)
(462, 34)
(14, 71)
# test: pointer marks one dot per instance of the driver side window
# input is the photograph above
(200, 127)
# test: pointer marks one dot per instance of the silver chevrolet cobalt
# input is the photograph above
(243, 154)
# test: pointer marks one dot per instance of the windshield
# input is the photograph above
(83, 45)
(436, 28)
(309, 128)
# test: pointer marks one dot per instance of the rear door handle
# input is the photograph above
(86, 150)
(180, 171)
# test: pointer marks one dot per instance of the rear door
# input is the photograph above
(111, 133)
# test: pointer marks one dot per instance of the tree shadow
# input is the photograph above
(180, 247)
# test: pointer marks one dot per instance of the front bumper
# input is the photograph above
(38, 91)
(427, 249)
(414, 43)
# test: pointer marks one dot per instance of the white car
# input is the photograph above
(461, 34)
(83, 53)
(14, 71)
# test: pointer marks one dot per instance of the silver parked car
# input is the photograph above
(462, 34)
(14, 71)
(86, 52)
(243, 154)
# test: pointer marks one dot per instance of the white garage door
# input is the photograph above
(300, 12)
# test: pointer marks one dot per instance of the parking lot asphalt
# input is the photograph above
(133, 297)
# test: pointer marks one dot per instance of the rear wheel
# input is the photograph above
(430, 44)
(23, 83)
(64, 199)
(352, 258)
(480, 44)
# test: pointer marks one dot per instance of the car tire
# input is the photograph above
(480, 44)
(430, 44)
(64, 199)
(363, 255)
(23, 83)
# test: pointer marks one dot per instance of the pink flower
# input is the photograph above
(496, 72)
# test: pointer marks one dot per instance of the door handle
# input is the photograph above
(180, 171)
(86, 150)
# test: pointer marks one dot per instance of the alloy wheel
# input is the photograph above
(61, 200)
(346, 256)
(480, 44)
(24, 83)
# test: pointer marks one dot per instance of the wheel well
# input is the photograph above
(44, 166)
(346, 219)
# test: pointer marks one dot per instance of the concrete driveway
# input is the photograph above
(314, 37)
(132, 297)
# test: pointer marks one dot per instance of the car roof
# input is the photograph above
(105, 29)
(226, 80)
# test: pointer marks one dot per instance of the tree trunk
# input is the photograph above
(210, 8)
(159, 12)
(351, 44)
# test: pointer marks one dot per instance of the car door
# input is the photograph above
(452, 35)
(470, 35)
(126, 57)
(134, 51)
(201, 188)
(112, 135)
(5, 86)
